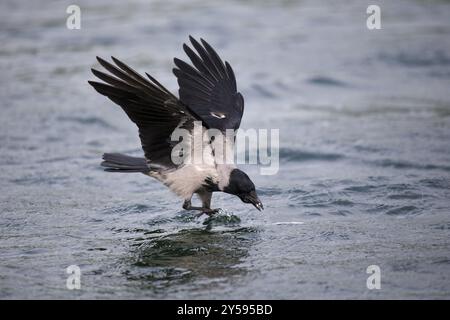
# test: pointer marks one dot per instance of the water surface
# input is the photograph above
(364, 119)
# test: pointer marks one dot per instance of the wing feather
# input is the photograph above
(208, 87)
(148, 104)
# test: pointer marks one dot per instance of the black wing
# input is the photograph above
(209, 90)
(154, 110)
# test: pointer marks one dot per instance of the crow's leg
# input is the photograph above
(187, 205)
(206, 202)
(206, 199)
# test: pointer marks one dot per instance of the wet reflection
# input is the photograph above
(211, 252)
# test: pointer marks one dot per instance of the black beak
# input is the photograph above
(253, 199)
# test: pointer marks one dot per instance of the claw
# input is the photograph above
(209, 212)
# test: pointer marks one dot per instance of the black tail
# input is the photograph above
(116, 162)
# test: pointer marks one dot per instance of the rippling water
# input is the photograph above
(364, 178)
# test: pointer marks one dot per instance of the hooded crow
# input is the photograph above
(207, 95)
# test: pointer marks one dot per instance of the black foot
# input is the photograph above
(209, 212)
(187, 206)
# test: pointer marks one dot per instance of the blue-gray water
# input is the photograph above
(364, 119)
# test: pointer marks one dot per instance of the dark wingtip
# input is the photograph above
(97, 73)
(177, 61)
(193, 41)
(185, 47)
(116, 61)
(102, 62)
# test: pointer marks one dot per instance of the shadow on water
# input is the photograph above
(199, 255)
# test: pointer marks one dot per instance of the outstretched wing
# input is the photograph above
(208, 88)
(154, 110)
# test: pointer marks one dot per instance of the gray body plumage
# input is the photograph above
(184, 180)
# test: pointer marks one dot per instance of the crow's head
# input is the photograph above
(240, 185)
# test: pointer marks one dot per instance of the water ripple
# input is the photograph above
(295, 155)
